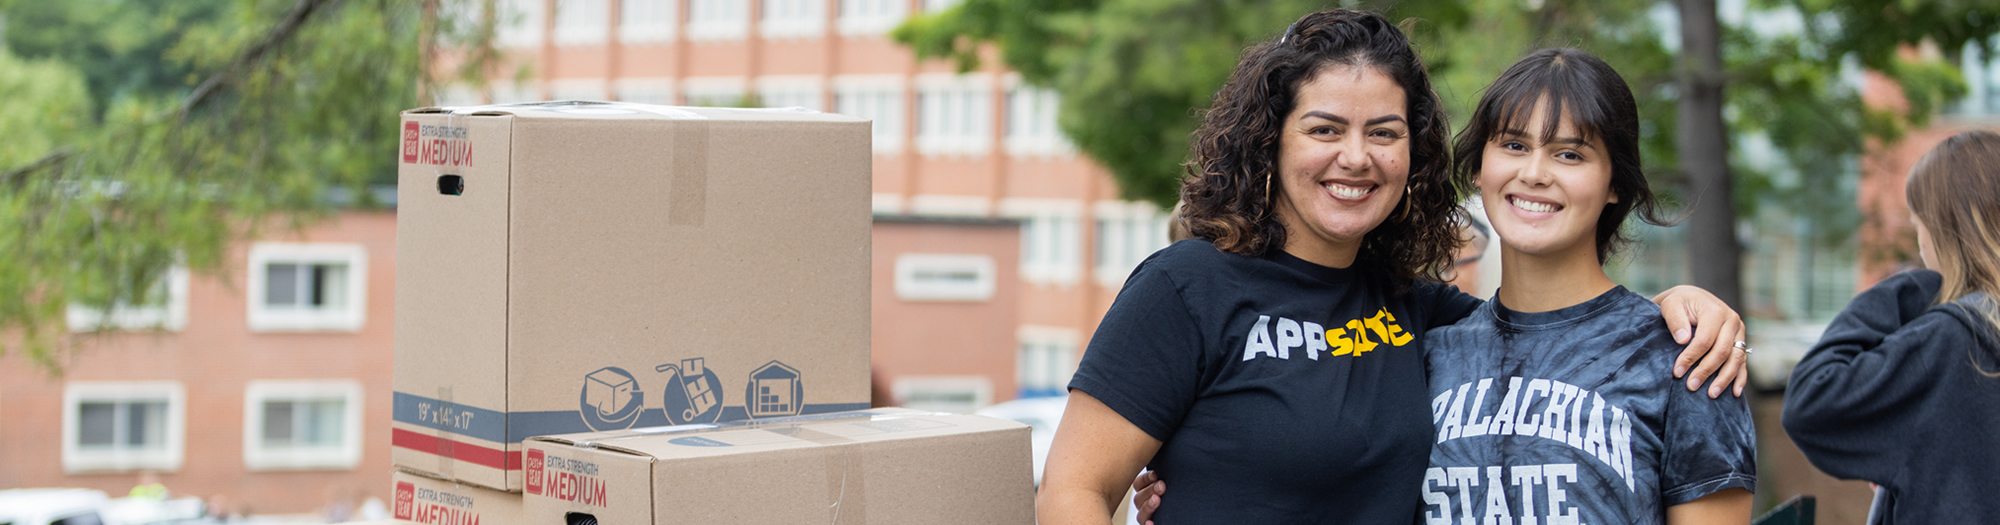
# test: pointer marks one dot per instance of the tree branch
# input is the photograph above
(15, 176)
(278, 35)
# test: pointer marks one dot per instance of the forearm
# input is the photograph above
(1057, 506)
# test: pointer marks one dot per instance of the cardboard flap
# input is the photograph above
(750, 436)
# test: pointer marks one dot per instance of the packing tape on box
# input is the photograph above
(846, 486)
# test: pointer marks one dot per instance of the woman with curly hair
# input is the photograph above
(1273, 365)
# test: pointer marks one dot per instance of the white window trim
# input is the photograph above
(1061, 253)
(887, 131)
(648, 32)
(1032, 143)
(811, 24)
(75, 460)
(521, 23)
(735, 28)
(577, 89)
(349, 319)
(1125, 252)
(648, 90)
(886, 203)
(980, 387)
(871, 23)
(770, 85)
(257, 457)
(975, 144)
(582, 22)
(950, 205)
(507, 92)
(909, 288)
(1064, 340)
(701, 87)
(171, 316)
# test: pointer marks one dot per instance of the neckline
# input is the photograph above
(1327, 274)
(1560, 317)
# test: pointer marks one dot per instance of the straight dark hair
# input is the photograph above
(1578, 86)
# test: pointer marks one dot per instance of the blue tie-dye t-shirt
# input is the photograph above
(1573, 416)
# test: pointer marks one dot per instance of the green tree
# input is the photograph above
(1133, 73)
(212, 120)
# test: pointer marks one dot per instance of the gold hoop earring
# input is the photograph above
(1405, 216)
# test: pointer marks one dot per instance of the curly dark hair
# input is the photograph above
(1227, 197)
(1581, 87)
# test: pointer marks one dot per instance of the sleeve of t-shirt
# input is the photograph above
(1445, 304)
(1710, 446)
(1145, 361)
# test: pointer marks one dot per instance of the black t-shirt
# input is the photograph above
(1282, 391)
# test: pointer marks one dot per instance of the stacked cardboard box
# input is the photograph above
(577, 267)
(428, 500)
(609, 271)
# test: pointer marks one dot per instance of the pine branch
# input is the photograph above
(16, 176)
(277, 36)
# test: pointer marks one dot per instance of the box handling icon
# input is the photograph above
(694, 382)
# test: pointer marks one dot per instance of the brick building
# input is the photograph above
(974, 188)
(268, 385)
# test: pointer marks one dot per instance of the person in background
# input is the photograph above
(1903, 388)
(1465, 264)
(1274, 364)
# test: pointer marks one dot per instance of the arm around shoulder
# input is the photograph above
(1091, 463)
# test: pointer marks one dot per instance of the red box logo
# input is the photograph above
(533, 465)
(410, 142)
(406, 497)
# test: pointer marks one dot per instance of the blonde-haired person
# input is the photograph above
(1903, 390)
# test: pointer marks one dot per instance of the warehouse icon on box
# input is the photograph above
(775, 391)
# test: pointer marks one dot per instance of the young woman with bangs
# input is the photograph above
(1273, 366)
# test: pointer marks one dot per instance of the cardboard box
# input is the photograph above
(569, 267)
(880, 466)
(422, 499)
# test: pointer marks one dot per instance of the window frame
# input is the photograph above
(908, 288)
(659, 30)
(735, 26)
(860, 21)
(810, 22)
(349, 319)
(257, 456)
(980, 387)
(582, 23)
(171, 316)
(882, 99)
(77, 460)
(520, 29)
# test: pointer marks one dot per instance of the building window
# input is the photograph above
(790, 92)
(646, 90)
(1031, 122)
(718, 92)
(646, 21)
(123, 426)
(1982, 82)
(718, 19)
(519, 23)
(1047, 360)
(1051, 245)
(505, 92)
(1127, 232)
(878, 99)
(933, 6)
(582, 22)
(793, 18)
(163, 307)
(302, 425)
(955, 116)
(957, 394)
(307, 287)
(870, 17)
(944, 277)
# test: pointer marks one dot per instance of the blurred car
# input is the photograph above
(1041, 414)
(52, 507)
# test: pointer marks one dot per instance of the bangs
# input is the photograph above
(1564, 90)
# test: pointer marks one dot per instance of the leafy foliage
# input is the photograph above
(162, 132)
(1134, 72)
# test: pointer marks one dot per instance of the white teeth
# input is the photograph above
(1533, 206)
(1347, 192)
